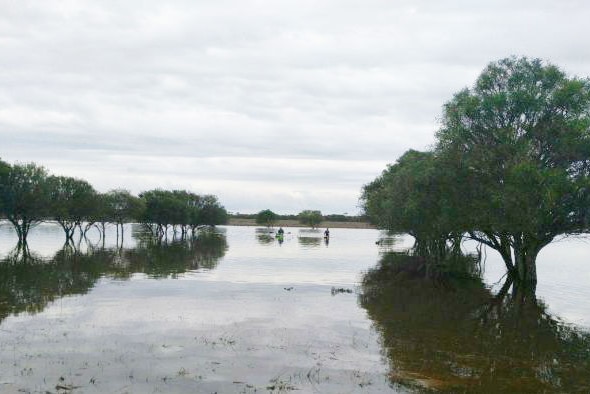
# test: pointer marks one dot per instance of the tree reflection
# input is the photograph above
(450, 333)
(264, 236)
(29, 283)
(312, 242)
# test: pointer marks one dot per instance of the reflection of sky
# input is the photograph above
(341, 262)
(47, 238)
(563, 274)
(266, 311)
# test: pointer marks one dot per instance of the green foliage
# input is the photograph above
(414, 196)
(181, 208)
(71, 201)
(212, 212)
(24, 195)
(29, 195)
(521, 138)
(266, 218)
(310, 218)
(511, 167)
(4, 173)
(122, 206)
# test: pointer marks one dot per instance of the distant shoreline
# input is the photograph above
(295, 223)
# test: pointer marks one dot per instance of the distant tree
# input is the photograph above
(266, 218)
(212, 212)
(123, 207)
(101, 215)
(24, 197)
(165, 208)
(310, 218)
(71, 201)
(161, 208)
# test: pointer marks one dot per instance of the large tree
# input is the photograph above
(519, 141)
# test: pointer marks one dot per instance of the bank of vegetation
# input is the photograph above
(305, 218)
(510, 169)
(30, 195)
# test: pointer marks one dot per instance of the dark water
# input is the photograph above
(237, 311)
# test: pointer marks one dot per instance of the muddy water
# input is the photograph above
(239, 311)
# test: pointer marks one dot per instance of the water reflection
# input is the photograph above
(454, 335)
(265, 235)
(310, 238)
(28, 282)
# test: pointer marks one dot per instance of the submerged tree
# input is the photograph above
(24, 197)
(519, 141)
(416, 196)
(212, 212)
(511, 168)
(123, 207)
(71, 201)
(164, 208)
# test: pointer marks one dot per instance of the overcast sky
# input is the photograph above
(285, 105)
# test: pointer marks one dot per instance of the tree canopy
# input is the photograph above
(29, 195)
(310, 218)
(25, 197)
(71, 201)
(511, 166)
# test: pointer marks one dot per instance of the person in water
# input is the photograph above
(327, 233)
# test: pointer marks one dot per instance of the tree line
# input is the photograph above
(311, 218)
(30, 195)
(510, 169)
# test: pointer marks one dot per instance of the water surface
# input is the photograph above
(237, 311)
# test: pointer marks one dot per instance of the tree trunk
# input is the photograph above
(525, 261)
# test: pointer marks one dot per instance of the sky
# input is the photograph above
(281, 105)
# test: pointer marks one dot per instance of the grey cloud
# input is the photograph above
(137, 93)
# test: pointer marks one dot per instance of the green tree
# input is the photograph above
(415, 196)
(165, 208)
(212, 212)
(24, 196)
(71, 201)
(123, 207)
(519, 142)
(100, 215)
(161, 208)
(266, 218)
(310, 218)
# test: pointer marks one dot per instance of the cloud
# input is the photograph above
(294, 104)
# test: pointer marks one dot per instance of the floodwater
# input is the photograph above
(236, 311)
